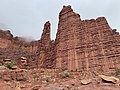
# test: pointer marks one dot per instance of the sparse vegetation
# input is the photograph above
(64, 68)
(28, 67)
(24, 78)
(36, 77)
(10, 64)
(117, 72)
(65, 75)
(47, 79)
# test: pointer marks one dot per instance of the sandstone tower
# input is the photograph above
(86, 45)
(46, 49)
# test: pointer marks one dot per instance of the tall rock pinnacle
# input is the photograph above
(45, 38)
(46, 48)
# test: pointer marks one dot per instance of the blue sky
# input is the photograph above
(27, 17)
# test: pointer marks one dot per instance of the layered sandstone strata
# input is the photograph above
(86, 45)
(83, 45)
(46, 57)
(13, 48)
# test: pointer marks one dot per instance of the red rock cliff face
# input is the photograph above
(8, 41)
(86, 45)
(5, 39)
(13, 48)
(83, 45)
(46, 49)
(66, 38)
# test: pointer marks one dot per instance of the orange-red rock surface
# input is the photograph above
(85, 46)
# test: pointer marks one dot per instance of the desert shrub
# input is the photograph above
(65, 75)
(10, 64)
(36, 77)
(28, 67)
(64, 68)
(47, 79)
(24, 78)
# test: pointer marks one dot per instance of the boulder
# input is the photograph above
(23, 58)
(86, 81)
(109, 78)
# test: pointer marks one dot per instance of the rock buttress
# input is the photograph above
(46, 49)
(86, 45)
(66, 39)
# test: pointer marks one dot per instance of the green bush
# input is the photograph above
(10, 64)
(65, 75)
(64, 68)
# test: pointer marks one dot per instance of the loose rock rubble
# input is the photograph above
(51, 79)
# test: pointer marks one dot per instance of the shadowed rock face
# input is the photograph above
(13, 48)
(83, 45)
(8, 41)
(5, 38)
